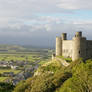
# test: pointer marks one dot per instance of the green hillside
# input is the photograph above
(54, 77)
(6, 48)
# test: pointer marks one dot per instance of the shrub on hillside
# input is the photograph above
(81, 80)
(6, 87)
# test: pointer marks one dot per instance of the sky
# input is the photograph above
(38, 22)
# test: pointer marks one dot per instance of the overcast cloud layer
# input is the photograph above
(38, 22)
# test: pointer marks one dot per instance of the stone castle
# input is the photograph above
(76, 48)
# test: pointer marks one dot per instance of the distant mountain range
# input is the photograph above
(15, 48)
(19, 48)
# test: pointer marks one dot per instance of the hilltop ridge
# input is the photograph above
(6, 48)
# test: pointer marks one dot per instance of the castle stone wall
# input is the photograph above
(67, 48)
(79, 48)
(58, 46)
(89, 49)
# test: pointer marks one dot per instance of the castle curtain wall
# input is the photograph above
(67, 48)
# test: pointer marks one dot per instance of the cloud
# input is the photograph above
(22, 11)
(75, 4)
(39, 21)
(43, 34)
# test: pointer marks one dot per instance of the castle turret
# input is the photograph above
(78, 34)
(64, 36)
(79, 47)
(58, 46)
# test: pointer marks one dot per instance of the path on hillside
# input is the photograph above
(63, 62)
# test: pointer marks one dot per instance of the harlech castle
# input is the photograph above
(78, 47)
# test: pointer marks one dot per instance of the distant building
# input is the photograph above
(14, 67)
(78, 47)
(8, 74)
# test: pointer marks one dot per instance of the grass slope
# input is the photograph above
(53, 77)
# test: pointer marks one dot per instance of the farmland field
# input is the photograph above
(24, 58)
(3, 79)
(19, 57)
(9, 70)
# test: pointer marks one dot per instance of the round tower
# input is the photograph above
(64, 36)
(58, 46)
(79, 47)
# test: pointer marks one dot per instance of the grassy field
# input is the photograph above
(23, 53)
(2, 79)
(19, 57)
(9, 70)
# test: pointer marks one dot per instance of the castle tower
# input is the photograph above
(79, 47)
(64, 36)
(58, 46)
